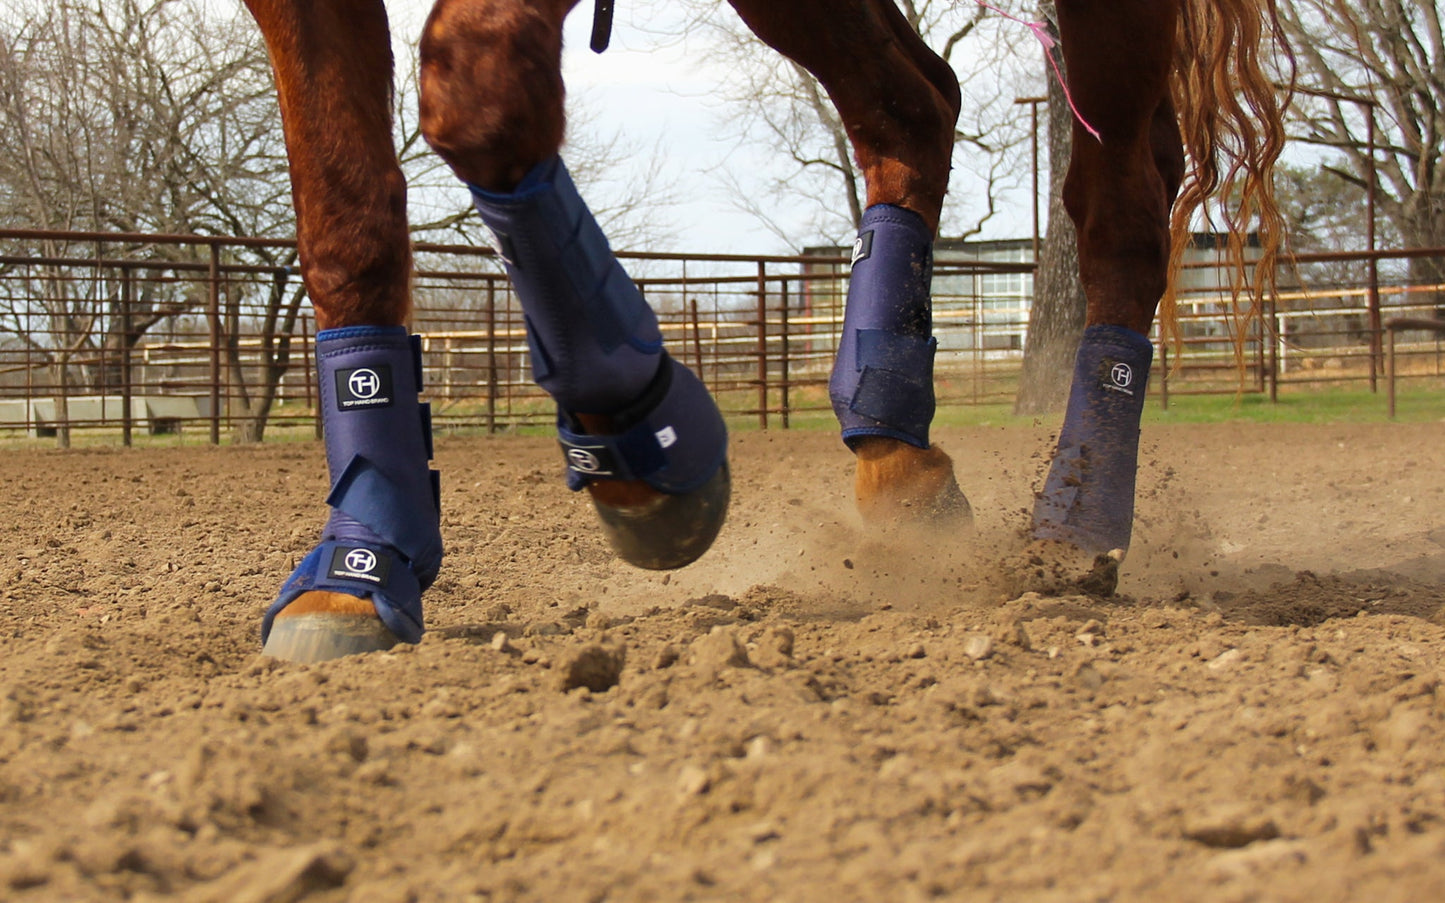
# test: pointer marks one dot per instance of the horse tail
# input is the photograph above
(1231, 119)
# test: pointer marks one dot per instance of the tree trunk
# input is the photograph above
(62, 402)
(1056, 319)
(277, 332)
(1424, 227)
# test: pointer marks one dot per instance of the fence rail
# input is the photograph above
(163, 333)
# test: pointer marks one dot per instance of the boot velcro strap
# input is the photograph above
(633, 455)
(673, 438)
(361, 569)
(367, 495)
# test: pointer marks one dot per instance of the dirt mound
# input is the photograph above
(807, 714)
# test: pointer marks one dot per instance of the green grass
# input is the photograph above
(1333, 405)
(1417, 402)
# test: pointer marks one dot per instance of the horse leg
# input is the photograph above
(639, 431)
(898, 102)
(1119, 191)
(360, 588)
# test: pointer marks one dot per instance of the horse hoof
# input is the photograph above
(1054, 568)
(658, 531)
(318, 627)
(898, 483)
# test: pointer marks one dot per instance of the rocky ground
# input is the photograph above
(810, 713)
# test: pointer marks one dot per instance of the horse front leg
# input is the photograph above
(898, 102)
(638, 430)
(1119, 191)
(360, 588)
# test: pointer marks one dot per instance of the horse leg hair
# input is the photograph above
(332, 61)
(491, 86)
(1120, 187)
(898, 100)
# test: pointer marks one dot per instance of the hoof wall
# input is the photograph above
(668, 531)
(310, 638)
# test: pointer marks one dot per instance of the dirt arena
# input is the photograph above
(807, 714)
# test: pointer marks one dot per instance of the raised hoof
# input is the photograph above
(320, 626)
(1054, 568)
(657, 531)
(901, 484)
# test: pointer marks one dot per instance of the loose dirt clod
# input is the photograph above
(594, 666)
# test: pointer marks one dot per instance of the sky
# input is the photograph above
(651, 87)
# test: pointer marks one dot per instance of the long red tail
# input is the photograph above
(1231, 112)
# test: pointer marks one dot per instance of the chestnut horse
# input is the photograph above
(639, 433)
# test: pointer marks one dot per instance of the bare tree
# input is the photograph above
(1056, 318)
(775, 104)
(1389, 55)
(134, 116)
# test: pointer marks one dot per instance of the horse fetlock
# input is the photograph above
(673, 438)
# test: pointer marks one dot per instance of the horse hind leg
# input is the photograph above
(639, 431)
(360, 588)
(1119, 191)
(898, 102)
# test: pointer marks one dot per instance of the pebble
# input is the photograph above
(693, 780)
(1229, 825)
(978, 646)
(1225, 660)
(667, 656)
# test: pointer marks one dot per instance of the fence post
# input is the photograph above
(1274, 339)
(1390, 372)
(762, 345)
(213, 314)
(491, 355)
(1163, 373)
(313, 401)
(127, 275)
(783, 360)
(697, 342)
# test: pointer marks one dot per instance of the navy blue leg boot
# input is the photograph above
(1088, 497)
(597, 350)
(382, 542)
(882, 381)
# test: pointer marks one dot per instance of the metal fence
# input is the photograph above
(163, 333)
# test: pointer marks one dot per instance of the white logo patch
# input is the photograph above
(666, 437)
(583, 460)
(1122, 375)
(361, 561)
(862, 247)
(364, 383)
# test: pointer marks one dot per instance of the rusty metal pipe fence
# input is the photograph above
(159, 334)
